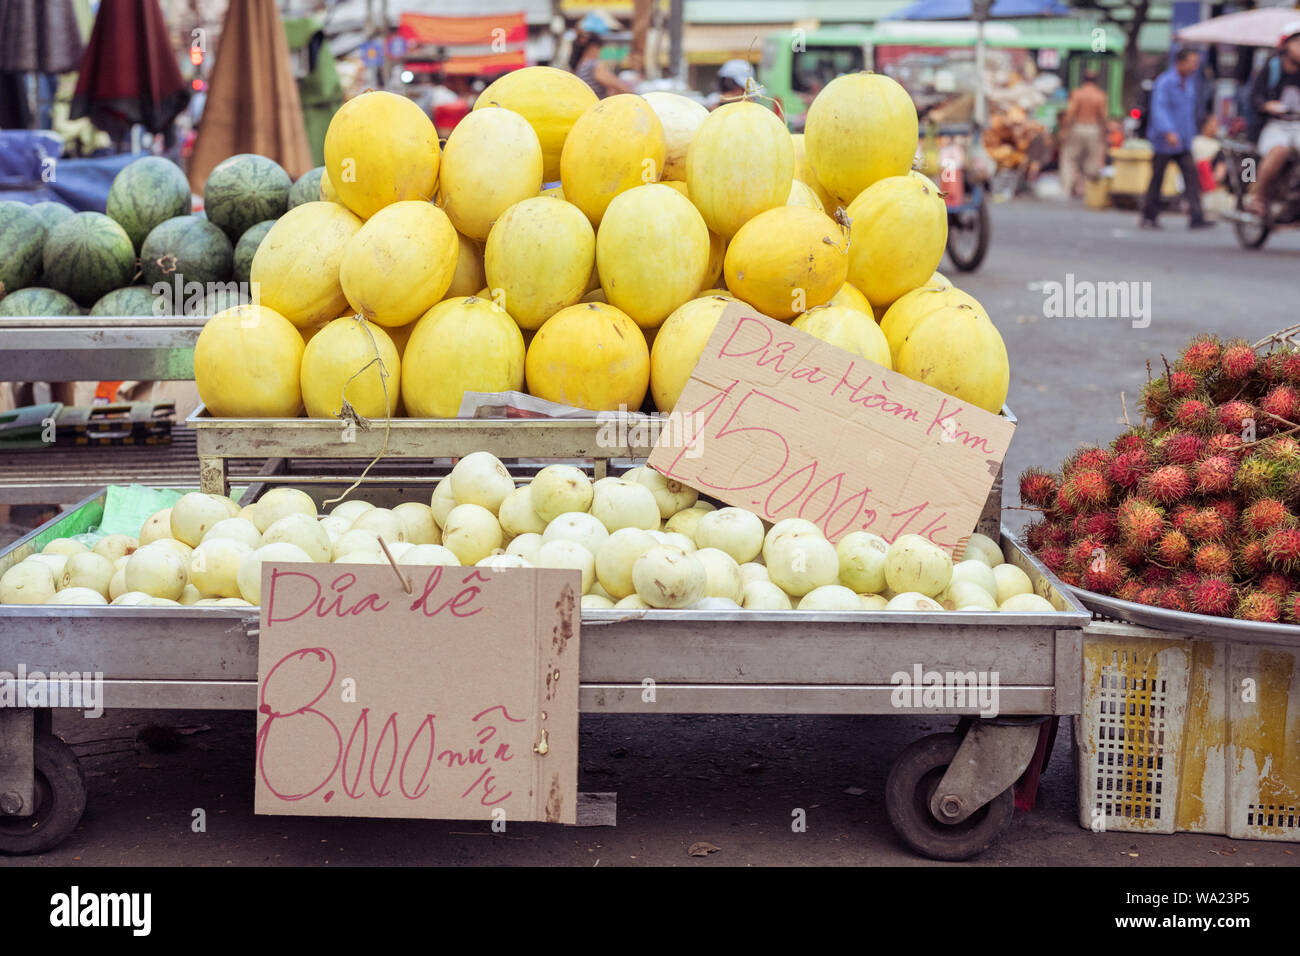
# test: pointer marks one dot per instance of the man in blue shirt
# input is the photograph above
(1171, 129)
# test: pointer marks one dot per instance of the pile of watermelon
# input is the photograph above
(56, 262)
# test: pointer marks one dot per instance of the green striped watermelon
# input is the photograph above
(22, 238)
(243, 190)
(87, 255)
(131, 301)
(218, 300)
(37, 301)
(186, 249)
(52, 213)
(247, 247)
(145, 193)
(307, 188)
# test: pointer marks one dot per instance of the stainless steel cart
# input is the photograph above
(949, 795)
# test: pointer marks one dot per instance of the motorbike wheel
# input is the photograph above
(968, 238)
(1251, 235)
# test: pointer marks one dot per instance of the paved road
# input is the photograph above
(730, 781)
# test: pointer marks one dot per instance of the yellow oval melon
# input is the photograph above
(400, 263)
(847, 328)
(551, 100)
(339, 364)
(469, 276)
(590, 355)
(381, 148)
(678, 345)
(899, 228)
(681, 117)
(804, 174)
(615, 145)
(492, 160)
(801, 194)
(851, 297)
(860, 129)
(958, 351)
(538, 258)
(652, 253)
(787, 260)
(740, 163)
(458, 346)
(907, 312)
(327, 191)
(296, 268)
(247, 362)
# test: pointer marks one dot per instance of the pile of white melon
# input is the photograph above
(638, 541)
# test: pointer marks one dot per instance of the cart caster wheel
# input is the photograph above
(912, 781)
(60, 791)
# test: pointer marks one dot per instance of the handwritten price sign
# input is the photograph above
(456, 701)
(788, 426)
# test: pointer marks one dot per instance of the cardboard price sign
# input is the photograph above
(788, 426)
(456, 701)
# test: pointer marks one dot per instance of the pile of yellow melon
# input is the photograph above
(428, 271)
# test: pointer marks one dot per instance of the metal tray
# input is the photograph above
(95, 348)
(1188, 624)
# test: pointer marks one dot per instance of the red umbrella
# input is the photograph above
(39, 36)
(129, 74)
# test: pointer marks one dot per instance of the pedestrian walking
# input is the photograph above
(1083, 147)
(1172, 128)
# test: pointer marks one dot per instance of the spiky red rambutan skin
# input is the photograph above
(1166, 484)
(1087, 458)
(1172, 549)
(1180, 513)
(1291, 489)
(1130, 441)
(1131, 554)
(1228, 509)
(1036, 535)
(1291, 367)
(1282, 448)
(1256, 605)
(1069, 577)
(1238, 360)
(1148, 595)
(1104, 575)
(1291, 608)
(1214, 474)
(1154, 574)
(1205, 525)
(1079, 525)
(1181, 448)
(1201, 354)
(1282, 548)
(1251, 559)
(1212, 596)
(1275, 582)
(1128, 591)
(1087, 489)
(1061, 505)
(1194, 414)
(1270, 368)
(1213, 559)
(1140, 523)
(1038, 488)
(1234, 415)
(1257, 477)
(1102, 525)
(1156, 398)
(1186, 580)
(1057, 533)
(1183, 383)
(1172, 599)
(1054, 557)
(1129, 467)
(1282, 401)
(1228, 444)
(1265, 515)
(1085, 551)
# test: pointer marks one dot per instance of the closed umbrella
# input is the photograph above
(129, 73)
(36, 36)
(252, 104)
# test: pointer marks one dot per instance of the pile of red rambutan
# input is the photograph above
(1196, 509)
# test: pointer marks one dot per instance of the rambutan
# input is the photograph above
(1291, 489)
(1238, 360)
(1129, 467)
(1251, 559)
(1135, 439)
(1291, 608)
(1085, 551)
(1036, 535)
(1228, 509)
(1234, 415)
(1201, 354)
(1166, 484)
(1148, 595)
(1265, 515)
(1103, 525)
(1271, 369)
(1086, 458)
(1194, 414)
(1182, 383)
(1186, 580)
(1281, 448)
(1062, 505)
(1057, 533)
(1155, 574)
(1128, 590)
(1205, 525)
(1182, 511)
(1214, 474)
(1172, 549)
(1291, 367)
(1257, 477)
(1256, 605)
(1087, 489)
(1055, 557)
(1275, 582)
(1283, 401)
(1180, 448)
(1212, 559)
(1228, 444)
(1156, 398)
(1172, 599)
(1131, 554)
(1140, 522)
(1069, 577)
(1104, 575)
(1211, 596)
(1282, 548)
(1038, 488)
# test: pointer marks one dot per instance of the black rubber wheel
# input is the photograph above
(60, 790)
(968, 238)
(912, 781)
(1250, 235)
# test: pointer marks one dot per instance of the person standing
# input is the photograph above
(1171, 131)
(1084, 145)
